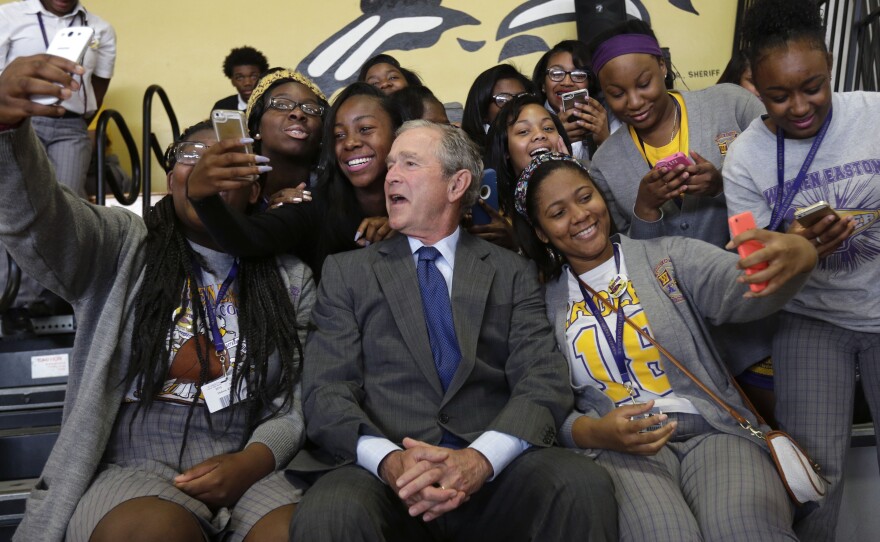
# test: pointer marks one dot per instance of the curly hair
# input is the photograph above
(773, 23)
(244, 56)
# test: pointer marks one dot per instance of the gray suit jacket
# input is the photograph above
(683, 285)
(369, 369)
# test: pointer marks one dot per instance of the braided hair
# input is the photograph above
(266, 322)
(774, 23)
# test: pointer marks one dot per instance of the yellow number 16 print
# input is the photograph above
(642, 361)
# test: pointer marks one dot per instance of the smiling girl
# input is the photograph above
(649, 201)
(348, 204)
(815, 145)
(699, 475)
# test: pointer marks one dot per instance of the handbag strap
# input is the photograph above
(744, 423)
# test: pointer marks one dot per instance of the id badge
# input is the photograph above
(218, 393)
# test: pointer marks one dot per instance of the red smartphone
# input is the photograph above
(673, 160)
(741, 223)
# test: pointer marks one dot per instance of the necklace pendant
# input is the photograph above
(617, 285)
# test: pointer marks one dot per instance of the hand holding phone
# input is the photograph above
(673, 160)
(741, 223)
(809, 216)
(569, 99)
(489, 194)
(69, 43)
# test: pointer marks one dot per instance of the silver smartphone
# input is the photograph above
(573, 97)
(807, 216)
(70, 43)
(231, 124)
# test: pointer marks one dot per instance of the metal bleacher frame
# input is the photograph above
(30, 409)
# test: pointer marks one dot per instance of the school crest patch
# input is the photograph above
(665, 275)
(724, 140)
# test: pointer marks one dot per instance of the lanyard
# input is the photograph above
(210, 308)
(615, 343)
(79, 14)
(783, 201)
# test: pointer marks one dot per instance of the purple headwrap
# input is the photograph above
(624, 44)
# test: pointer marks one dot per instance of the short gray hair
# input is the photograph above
(455, 152)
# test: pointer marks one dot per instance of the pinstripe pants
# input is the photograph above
(69, 148)
(703, 485)
(141, 460)
(815, 366)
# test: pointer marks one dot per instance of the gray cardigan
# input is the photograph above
(94, 257)
(703, 288)
(715, 117)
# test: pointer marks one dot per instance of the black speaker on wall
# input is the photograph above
(595, 16)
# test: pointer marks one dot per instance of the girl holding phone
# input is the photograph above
(562, 69)
(155, 444)
(348, 203)
(647, 201)
(815, 144)
(699, 475)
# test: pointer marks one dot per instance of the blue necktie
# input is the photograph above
(438, 316)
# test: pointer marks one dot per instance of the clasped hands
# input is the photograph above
(432, 480)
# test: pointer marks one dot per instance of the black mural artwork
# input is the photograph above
(405, 25)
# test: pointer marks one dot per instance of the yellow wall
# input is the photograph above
(181, 44)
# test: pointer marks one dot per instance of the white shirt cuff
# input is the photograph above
(499, 448)
(372, 450)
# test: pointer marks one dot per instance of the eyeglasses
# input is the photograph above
(283, 104)
(189, 152)
(239, 78)
(558, 74)
(503, 97)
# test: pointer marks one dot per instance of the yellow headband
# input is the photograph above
(268, 80)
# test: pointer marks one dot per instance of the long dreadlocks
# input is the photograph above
(266, 323)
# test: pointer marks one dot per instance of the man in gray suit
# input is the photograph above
(435, 414)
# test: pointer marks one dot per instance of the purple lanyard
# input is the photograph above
(783, 198)
(219, 345)
(615, 343)
(79, 14)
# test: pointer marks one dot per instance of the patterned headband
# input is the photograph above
(267, 81)
(522, 182)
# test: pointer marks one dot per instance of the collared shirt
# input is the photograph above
(498, 448)
(21, 35)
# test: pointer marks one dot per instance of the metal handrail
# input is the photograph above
(150, 141)
(13, 283)
(101, 137)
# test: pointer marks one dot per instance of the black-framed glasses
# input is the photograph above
(577, 75)
(283, 104)
(189, 152)
(503, 97)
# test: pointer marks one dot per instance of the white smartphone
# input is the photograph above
(70, 43)
(230, 124)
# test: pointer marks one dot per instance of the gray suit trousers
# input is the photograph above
(548, 494)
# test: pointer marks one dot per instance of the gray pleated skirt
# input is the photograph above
(141, 460)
